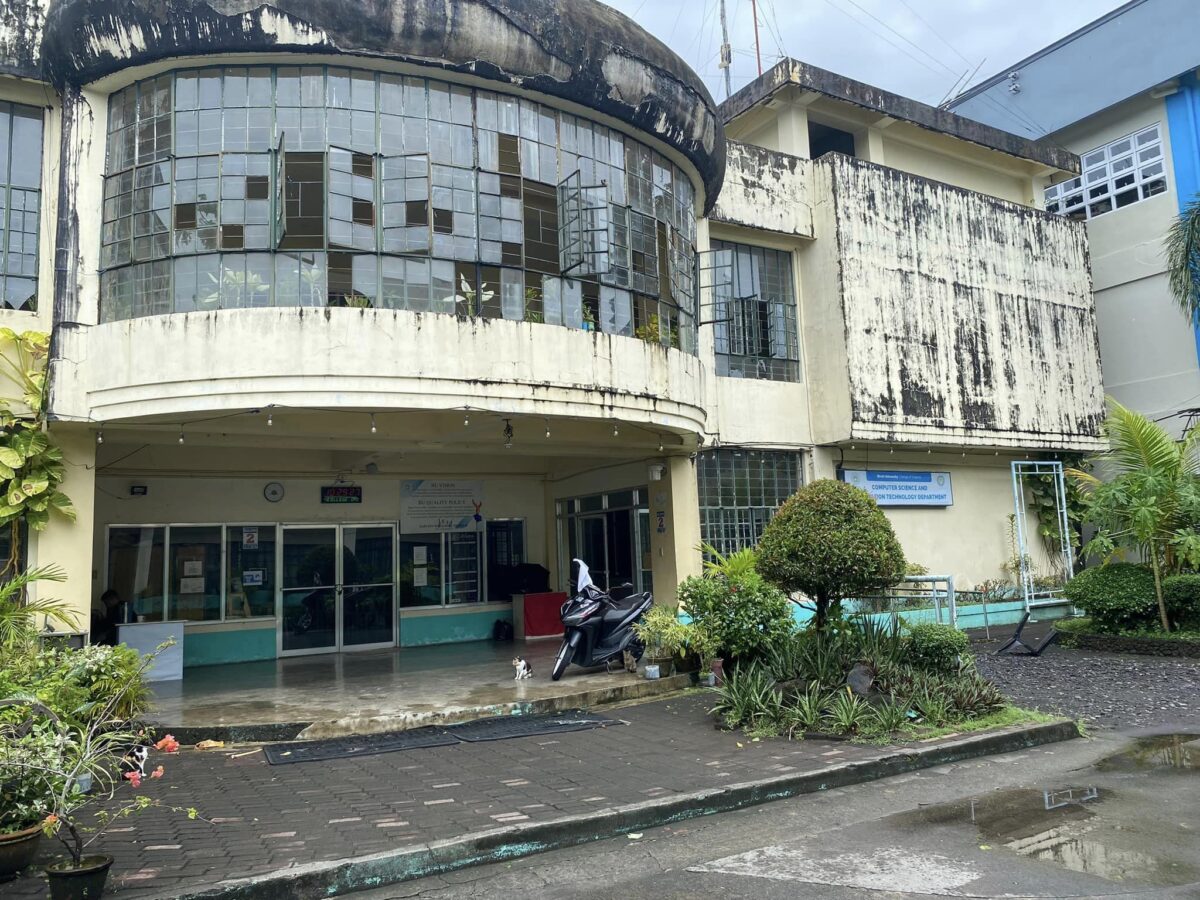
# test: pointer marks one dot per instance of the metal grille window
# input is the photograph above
(347, 187)
(755, 320)
(740, 490)
(20, 196)
(1115, 175)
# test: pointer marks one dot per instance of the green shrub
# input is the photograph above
(1182, 596)
(748, 699)
(75, 684)
(1118, 597)
(936, 648)
(830, 541)
(742, 617)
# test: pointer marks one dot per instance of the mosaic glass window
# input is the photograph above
(325, 186)
(740, 490)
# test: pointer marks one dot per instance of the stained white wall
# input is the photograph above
(967, 319)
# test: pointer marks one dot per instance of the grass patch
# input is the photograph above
(1004, 718)
(1085, 626)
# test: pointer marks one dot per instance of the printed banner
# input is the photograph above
(434, 505)
(903, 488)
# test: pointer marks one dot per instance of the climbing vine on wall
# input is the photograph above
(31, 464)
(1045, 504)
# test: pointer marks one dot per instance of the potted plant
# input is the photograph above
(47, 760)
(664, 636)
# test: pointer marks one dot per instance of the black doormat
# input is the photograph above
(357, 745)
(501, 728)
(498, 728)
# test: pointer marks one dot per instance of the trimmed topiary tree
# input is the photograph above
(1117, 597)
(830, 541)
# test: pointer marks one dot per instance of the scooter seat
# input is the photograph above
(621, 608)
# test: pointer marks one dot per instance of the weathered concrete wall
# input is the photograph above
(184, 364)
(967, 319)
(765, 190)
(21, 24)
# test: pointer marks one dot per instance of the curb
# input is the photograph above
(352, 725)
(337, 877)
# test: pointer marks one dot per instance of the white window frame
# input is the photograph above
(1135, 162)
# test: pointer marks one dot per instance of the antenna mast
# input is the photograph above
(757, 48)
(726, 52)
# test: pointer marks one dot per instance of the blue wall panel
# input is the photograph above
(420, 631)
(215, 647)
(1183, 124)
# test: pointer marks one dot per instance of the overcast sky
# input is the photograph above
(913, 47)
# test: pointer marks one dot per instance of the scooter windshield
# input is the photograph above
(584, 579)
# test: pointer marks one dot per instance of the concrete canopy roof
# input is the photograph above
(577, 50)
(793, 73)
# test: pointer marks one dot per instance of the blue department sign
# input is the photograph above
(903, 488)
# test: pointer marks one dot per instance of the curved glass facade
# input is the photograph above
(240, 187)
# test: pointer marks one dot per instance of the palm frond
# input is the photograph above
(1136, 444)
(1183, 260)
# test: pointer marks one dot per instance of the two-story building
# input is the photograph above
(359, 320)
(1134, 121)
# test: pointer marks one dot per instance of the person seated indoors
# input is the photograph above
(107, 614)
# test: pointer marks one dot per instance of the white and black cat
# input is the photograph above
(522, 668)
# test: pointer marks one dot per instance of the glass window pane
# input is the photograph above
(195, 573)
(135, 571)
(249, 571)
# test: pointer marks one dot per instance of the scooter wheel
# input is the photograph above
(565, 652)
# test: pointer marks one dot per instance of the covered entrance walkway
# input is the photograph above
(382, 690)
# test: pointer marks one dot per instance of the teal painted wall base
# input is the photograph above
(251, 644)
(1006, 612)
(213, 648)
(451, 628)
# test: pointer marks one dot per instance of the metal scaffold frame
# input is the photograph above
(1022, 469)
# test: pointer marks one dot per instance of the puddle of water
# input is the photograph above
(1164, 751)
(1064, 826)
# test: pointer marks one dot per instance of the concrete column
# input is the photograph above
(793, 130)
(66, 544)
(674, 527)
(823, 463)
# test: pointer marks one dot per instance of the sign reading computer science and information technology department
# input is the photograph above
(441, 505)
(904, 488)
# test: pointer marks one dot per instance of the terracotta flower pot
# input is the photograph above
(18, 850)
(83, 882)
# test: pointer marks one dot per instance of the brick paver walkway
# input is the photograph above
(269, 817)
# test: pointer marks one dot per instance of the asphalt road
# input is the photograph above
(1118, 826)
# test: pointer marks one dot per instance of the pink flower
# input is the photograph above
(168, 744)
(157, 773)
(134, 778)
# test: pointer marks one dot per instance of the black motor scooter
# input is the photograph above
(597, 628)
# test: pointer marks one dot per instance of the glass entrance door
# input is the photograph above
(337, 590)
(593, 549)
(368, 586)
(308, 618)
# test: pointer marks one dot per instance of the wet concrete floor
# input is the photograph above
(1109, 817)
(396, 684)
